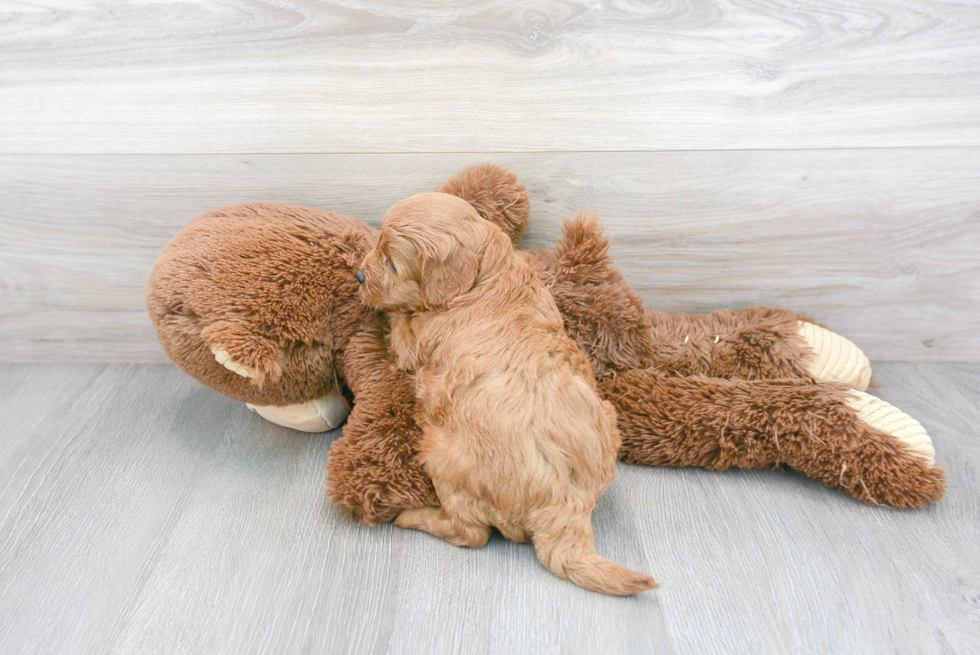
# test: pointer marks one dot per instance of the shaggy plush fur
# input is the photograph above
(602, 311)
(495, 195)
(757, 343)
(275, 286)
(261, 282)
(720, 424)
(672, 414)
(514, 432)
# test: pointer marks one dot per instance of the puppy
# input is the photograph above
(515, 435)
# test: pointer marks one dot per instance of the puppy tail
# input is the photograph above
(567, 549)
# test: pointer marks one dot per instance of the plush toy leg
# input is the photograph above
(843, 438)
(374, 472)
(607, 319)
(757, 343)
(318, 415)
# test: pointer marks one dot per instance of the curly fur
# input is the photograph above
(515, 434)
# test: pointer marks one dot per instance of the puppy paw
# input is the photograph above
(417, 518)
(437, 523)
(889, 419)
(317, 415)
(836, 359)
(225, 360)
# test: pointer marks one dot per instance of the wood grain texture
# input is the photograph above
(140, 512)
(231, 76)
(883, 245)
(780, 567)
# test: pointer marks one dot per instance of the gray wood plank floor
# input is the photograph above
(141, 512)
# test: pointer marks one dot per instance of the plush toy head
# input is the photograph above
(254, 300)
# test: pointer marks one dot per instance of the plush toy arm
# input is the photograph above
(374, 471)
(757, 343)
(238, 348)
(845, 439)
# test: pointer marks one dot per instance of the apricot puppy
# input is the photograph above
(515, 433)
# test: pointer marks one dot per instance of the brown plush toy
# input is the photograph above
(260, 303)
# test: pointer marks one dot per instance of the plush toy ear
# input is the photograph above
(495, 193)
(445, 278)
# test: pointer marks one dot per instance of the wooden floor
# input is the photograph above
(143, 513)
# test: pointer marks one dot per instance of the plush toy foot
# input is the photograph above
(836, 359)
(318, 415)
(887, 459)
(891, 420)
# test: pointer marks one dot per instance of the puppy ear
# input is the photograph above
(444, 279)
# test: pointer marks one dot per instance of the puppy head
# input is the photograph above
(430, 250)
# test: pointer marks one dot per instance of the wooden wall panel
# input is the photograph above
(884, 245)
(234, 76)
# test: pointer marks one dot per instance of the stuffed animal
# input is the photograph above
(260, 303)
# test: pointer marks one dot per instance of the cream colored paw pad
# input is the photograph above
(225, 360)
(836, 359)
(886, 417)
(319, 415)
